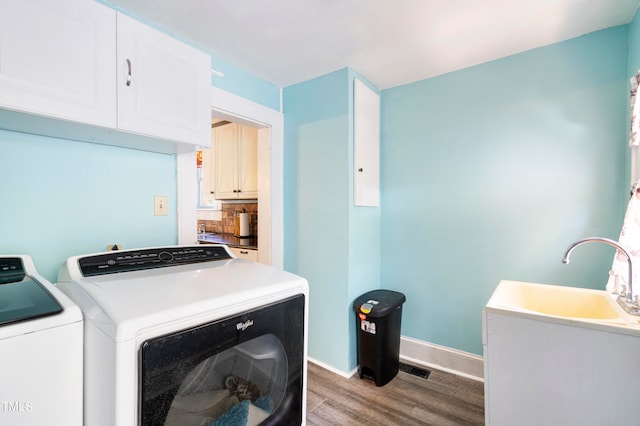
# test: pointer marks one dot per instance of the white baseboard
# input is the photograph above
(427, 354)
(332, 369)
(442, 358)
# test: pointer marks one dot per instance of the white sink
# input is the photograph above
(559, 355)
(558, 301)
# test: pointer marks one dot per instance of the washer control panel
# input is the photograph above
(11, 270)
(135, 260)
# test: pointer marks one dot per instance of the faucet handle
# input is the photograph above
(623, 290)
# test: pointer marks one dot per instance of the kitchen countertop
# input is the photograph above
(250, 242)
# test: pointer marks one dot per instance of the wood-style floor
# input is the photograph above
(441, 399)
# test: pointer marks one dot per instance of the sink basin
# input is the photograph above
(557, 301)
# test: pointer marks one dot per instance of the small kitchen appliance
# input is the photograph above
(40, 349)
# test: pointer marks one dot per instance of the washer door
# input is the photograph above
(247, 368)
(21, 296)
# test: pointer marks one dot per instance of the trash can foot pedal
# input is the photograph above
(366, 373)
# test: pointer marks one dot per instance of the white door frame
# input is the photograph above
(270, 190)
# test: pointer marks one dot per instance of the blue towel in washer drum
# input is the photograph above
(264, 403)
(238, 415)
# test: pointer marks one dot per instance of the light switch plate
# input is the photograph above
(161, 205)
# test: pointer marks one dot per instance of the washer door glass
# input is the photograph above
(25, 299)
(246, 369)
(244, 382)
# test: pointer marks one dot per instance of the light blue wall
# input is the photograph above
(244, 84)
(489, 173)
(62, 198)
(327, 240)
(316, 210)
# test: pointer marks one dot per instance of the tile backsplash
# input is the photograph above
(226, 224)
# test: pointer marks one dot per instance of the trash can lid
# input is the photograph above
(378, 303)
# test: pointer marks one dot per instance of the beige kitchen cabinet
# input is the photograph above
(208, 176)
(163, 85)
(57, 60)
(80, 70)
(236, 162)
(242, 253)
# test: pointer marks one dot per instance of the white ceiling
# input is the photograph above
(388, 42)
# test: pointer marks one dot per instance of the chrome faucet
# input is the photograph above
(626, 301)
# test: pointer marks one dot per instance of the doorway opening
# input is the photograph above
(241, 183)
(270, 132)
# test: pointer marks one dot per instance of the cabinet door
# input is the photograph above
(248, 254)
(226, 139)
(208, 186)
(366, 149)
(57, 59)
(248, 163)
(163, 85)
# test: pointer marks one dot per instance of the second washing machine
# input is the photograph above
(40, 349)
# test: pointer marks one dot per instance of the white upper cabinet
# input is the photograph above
(56, 59)
(98, 71)
(366, 149)
(163, 85)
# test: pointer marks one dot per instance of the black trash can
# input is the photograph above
(378, 318)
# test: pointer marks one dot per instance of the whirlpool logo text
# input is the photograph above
(244, 325)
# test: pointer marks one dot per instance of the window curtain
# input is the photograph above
(634, 136)
(630, 233)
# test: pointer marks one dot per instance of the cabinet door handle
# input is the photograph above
(244, 252)
(128, 72)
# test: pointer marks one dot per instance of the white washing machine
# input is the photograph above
(40, 349)
(189, 335)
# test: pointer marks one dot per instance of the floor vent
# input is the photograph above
(416, 371)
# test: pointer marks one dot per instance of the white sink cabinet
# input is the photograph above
(543, 369)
